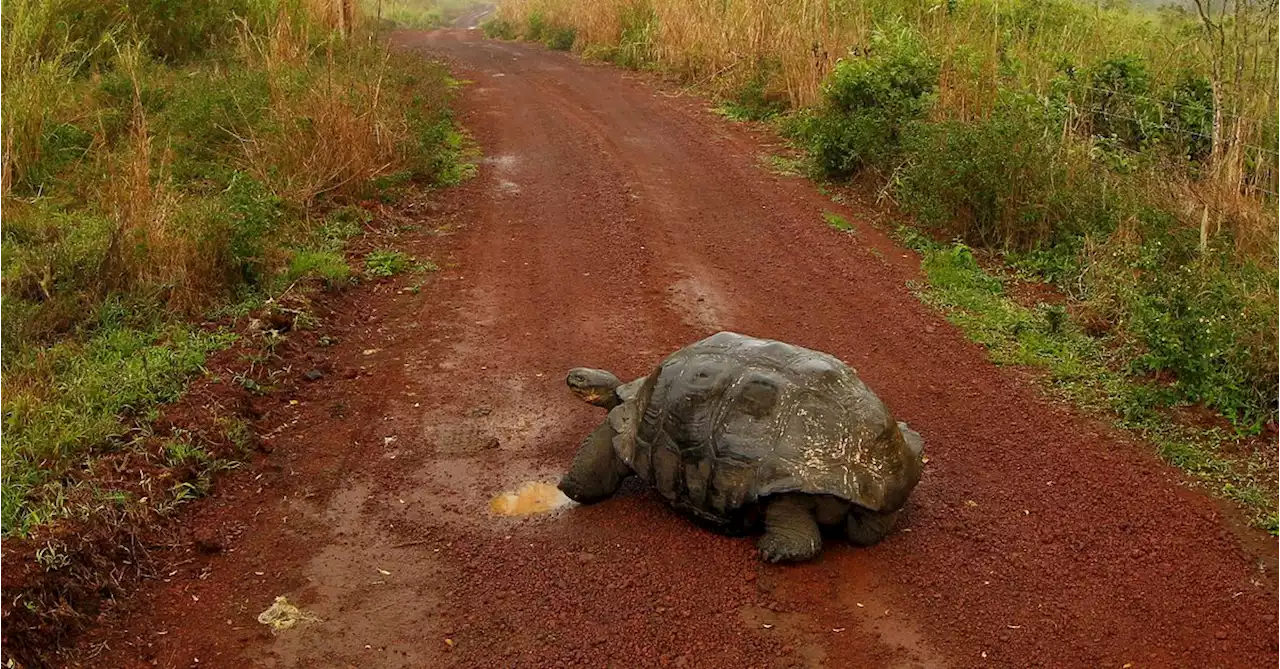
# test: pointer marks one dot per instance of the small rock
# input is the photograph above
(491, 444)
(1221, 635)
(313, 375)
(209, 543)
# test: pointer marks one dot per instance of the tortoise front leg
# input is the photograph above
(866, 527)
(597, 472)
(791, 531)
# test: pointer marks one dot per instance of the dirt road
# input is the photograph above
(611, 223)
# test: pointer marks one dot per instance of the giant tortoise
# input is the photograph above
(738, 432)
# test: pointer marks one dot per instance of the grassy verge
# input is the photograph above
(1095, 150)
(163, 169)
(1080, 368)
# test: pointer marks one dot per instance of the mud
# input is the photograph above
(1036, 538)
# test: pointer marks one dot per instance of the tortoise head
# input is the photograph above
(593, 386)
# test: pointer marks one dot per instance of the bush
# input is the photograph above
(1189, 112)
(170, 178)
(1202, 319)
(868, 100)
(754, 101)
(560, 38)
(537, 27)
(1006, 181)
(497, 28)
(178, 30)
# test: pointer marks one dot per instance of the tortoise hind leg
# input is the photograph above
(866, 527)
(791, 531)
(597, 471)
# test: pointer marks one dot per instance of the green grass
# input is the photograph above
(1081, 369)
(166, 166)
(327, 265)
(121, 371)
(410, 14)
(837, 222)
(384, 262)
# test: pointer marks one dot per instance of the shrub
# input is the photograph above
(537, 27)
(1005, 181)
(1202, 319)
(1189, 112)
(868, 100)
(497, 28)
(754, 101)
(560, 38)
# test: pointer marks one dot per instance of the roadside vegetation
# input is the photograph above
(168, 166)
(1126, 159)
(416, 14)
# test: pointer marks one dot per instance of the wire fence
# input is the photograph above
(1261, 181)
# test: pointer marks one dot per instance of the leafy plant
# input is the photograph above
(560, 38)
(837, 221)
(498, 28)
(385, 262)
(868, 100)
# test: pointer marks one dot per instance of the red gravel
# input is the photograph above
(611, 223)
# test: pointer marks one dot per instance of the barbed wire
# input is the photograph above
(1165, 126)
(1160, 102)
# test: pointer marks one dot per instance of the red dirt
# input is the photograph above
(611, 223)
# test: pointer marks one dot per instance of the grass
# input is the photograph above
(416, 14)
(74, 394)
(384, 263)
(837, 222)
(163, 167)
(1079, 368)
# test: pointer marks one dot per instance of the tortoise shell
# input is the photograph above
(731, 419)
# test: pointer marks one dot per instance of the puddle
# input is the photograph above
(530, 498)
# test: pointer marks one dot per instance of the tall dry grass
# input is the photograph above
(127, 171)
(983, 46)
(722, 42)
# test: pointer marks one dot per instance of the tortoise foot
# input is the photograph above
(791, 531)
(867, 528)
